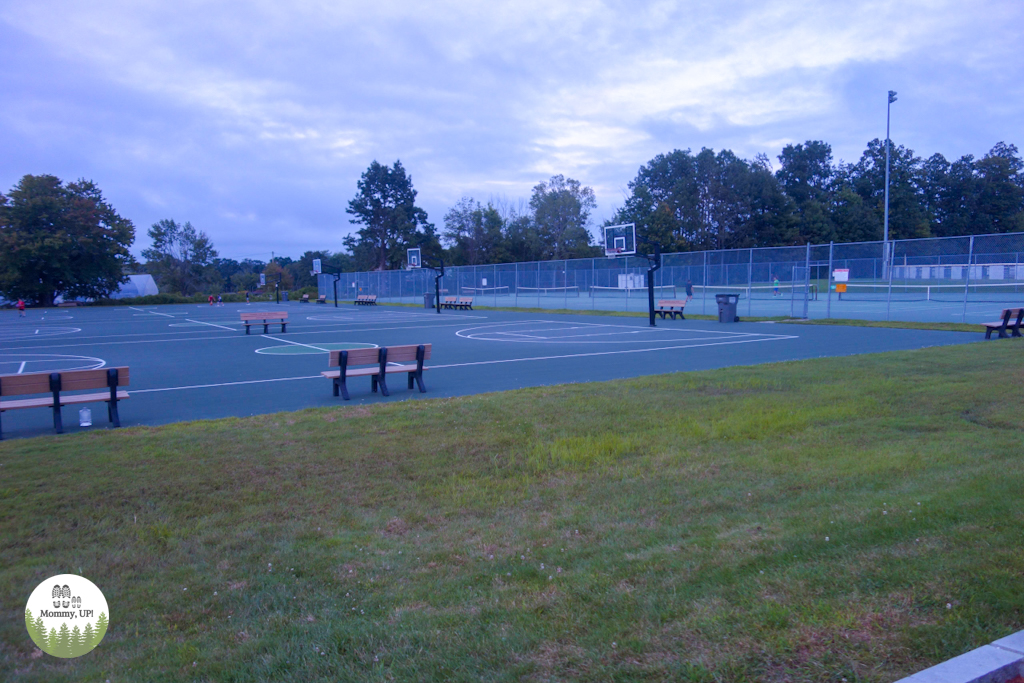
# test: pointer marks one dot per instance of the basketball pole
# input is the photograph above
(654, 263)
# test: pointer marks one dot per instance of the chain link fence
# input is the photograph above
(954, 279)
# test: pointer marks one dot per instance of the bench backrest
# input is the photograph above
(1010, 313)
(323, 297)
(372, 356)
(465, 299)
(273, 315)
(671, 302)
(70, 380)
(449, 299)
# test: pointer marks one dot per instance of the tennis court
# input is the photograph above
(195, 361)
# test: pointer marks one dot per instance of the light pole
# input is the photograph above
(885, 233)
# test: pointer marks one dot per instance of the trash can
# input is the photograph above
(428, 300)
(727, 307)
(284, 296)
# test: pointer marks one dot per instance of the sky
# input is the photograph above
(254, 120)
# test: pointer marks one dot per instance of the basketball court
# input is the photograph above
(195, 361)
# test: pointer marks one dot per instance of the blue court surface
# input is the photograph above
(195, 361)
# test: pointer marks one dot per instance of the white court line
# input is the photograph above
(21, 368)
(225, 384)
(200, 322)
(289, 341)
(153, 312)
(232, 338)
(483, 362)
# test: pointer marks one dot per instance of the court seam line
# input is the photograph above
(200, 322)
(460, 365)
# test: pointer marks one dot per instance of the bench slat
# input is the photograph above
(19, 403)
(402, 353)
(272, 315)
(70, 380)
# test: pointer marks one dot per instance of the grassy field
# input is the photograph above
(839, 519)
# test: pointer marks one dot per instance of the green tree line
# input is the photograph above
(66, 642)
(59, 239)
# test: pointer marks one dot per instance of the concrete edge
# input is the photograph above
(996, 662)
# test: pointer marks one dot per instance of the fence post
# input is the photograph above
(750, 276)
(807, 279)
(704, 285)
(967, 281)
(828, 283)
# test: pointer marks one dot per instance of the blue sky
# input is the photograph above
(254, 120)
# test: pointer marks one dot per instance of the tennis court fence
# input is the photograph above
(937, 279)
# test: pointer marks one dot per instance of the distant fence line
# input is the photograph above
(979, 268)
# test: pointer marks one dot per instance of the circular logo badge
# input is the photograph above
(67, 616)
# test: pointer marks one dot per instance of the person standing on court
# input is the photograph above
(689, 291)
(211, 299)
(247, 297)
(21, 308)
(775, 284)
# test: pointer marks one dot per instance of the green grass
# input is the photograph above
(668, 528)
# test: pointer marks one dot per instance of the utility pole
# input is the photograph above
(885, 233)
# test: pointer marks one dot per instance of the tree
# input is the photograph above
(561, 212)
(386, 208)
(474, 233)
(179, 257)
(273, 271)
(61, 240)
(1000, 197)
(806, 176)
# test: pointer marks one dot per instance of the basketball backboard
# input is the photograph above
(413, 258)
(620, 240)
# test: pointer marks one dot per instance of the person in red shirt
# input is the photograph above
(211, 299)
(21, 308)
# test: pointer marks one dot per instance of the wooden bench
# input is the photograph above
(304, 299)
(1003, 325)
(670, 308)
(366, 300)
(274, 317)
(67, 304)
(54, 383)
(322, 299)
(382, 362)
(460, 303)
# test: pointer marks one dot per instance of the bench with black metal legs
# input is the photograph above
(670, 308)
(266, 319)
(464, 303)
(56, 383)
(365, 300)
(377, 364)
(1005, 325)
(304, 299)
(322, 299)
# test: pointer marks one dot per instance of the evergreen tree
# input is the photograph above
(101, 627)
(64, 641)
(77, 643)
(52, 641)
(386, 208)
(88, 637)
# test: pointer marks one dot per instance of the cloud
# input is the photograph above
(270, 111)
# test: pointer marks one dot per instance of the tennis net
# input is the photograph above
(783, 291)
(485, 291)
(555, 292)
(1010, 292)
(631, 292)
